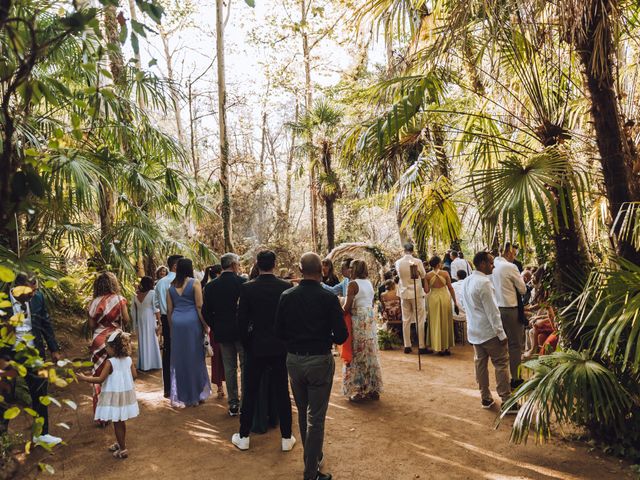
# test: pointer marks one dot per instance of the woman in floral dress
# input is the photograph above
(362, 377)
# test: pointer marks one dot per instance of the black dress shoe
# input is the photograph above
(407, 349)
(323, 476)
(425, 351)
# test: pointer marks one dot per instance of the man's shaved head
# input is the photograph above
(311, 264)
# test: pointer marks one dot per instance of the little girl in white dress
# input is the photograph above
(117, 401)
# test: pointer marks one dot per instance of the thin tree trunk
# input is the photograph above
(107, 203)
(617, 151)
(290, 157)
(224, 142)
(263, 141)
(136, 55)
(331, 224)
(170, 76)
(329, 197)
(195, 158)
(308, 101)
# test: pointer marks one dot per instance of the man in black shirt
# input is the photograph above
(256, 317)
(310, 320)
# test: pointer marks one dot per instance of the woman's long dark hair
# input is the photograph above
(331, 279)
(211, 273)
(184, 270)
(146, 284)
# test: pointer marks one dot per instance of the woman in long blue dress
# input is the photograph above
(189, 379)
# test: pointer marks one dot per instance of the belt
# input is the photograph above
(311, 353)
(509, 307)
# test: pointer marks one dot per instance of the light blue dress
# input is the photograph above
(189, 379)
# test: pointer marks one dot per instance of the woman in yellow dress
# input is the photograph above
(439, 296)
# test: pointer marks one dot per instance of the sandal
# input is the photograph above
(114, 448)
(122, 454)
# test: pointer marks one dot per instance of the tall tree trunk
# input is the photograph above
(290, 157)
(224, 142)
(329, 196)
(168, 56)
(436, 132)
(107, 203)
(571, 258)
(308, 101)
(136, 55)
(331, 224)
(618, 155)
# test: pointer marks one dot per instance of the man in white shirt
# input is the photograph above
(412, 293)
(508, 285)
(459, 263)
(485, 331)
(160, 301)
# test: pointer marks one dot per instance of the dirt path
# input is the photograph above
(427, 425)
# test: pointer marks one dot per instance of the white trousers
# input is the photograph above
(412, 315)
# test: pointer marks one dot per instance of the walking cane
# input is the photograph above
(414, 275)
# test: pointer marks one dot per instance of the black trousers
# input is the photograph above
(38, 387)
(254, 368)
(166, 355)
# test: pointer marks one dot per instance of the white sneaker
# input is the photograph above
(288, 443)
(241, 442)
(47, 439)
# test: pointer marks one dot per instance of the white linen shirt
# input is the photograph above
(459, 264)
(506, 280)
(483, 316)
(162, 287)
(403, 267)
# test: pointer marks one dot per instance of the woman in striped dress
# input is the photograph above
(107, 313)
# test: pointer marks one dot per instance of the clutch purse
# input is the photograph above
(208, 350)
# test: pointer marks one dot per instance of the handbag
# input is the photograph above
(208, 350)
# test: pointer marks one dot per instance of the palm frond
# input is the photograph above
(566, 387)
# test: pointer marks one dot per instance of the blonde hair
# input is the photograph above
(106, 284)
(359, 269)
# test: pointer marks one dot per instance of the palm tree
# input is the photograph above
(320, 126)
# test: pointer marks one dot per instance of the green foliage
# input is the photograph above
(26, 358)
(89, 170)
(567, 387)
(387, 339)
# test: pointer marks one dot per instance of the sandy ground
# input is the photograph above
(427, 425)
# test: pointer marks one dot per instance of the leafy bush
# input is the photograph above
(387, 339)
(595, 385)
(26, 357)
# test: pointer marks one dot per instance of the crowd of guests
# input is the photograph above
(280, 330)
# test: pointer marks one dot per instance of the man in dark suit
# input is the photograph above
(256, 318)
(220, 310)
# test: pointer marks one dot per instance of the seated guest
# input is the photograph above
(542, 326)
(388, 275)
(391, 303)
(457, 288)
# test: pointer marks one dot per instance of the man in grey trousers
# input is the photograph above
(508, 286)
(310, 320)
